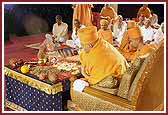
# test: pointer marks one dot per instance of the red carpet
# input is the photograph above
(15, 47)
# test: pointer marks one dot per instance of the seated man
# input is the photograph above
(49, 49)
(136, 40)
(124, 41)
(154, 20)
(104, 32)
(159, 35)
(119, 28)
(99, 59)
(144, 10)
(147, 32)
(60, 30)
(75, 42)
(46, 47)
(125, 48)
(48, 44)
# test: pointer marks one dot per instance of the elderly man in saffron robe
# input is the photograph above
(125, 48)
(136, 40)
(99, 59)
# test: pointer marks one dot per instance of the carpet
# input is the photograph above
(34, 45)
(15, 48)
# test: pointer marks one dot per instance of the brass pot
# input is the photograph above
(42, 61)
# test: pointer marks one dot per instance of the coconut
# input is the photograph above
(52, 76)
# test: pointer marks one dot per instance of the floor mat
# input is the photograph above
(34, 46)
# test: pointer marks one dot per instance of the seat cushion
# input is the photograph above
(128, 77)
(107, 90)
(109, 82)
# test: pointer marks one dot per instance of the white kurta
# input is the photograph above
(118, 33)
(159, 35)
(60, 31)
(154, 19)
(75, 39)
(148, 33)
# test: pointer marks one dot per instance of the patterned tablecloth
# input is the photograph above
(27, 93)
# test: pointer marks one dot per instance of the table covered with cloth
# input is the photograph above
(25, 92)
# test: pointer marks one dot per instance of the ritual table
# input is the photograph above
(25, 92)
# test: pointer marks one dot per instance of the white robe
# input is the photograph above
(159, 35)
(118, 33)
(60, 31)
(75, 39)
(148, 33)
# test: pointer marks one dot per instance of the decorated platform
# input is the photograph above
(32, 92)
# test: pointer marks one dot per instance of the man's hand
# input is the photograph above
(84, 73)
(84, 79)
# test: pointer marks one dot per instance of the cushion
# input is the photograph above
(128, 77)
(108, 90)
(108, 82)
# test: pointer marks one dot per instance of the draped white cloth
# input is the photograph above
(79, 85)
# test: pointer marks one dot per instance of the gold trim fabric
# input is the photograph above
(128, 77)
(47, 88)
(14, 106)
(108, 90)
(88, 102)
(142, 75)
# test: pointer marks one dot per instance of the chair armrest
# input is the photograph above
(110, 98)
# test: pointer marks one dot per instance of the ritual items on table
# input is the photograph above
(15, 63)
(56, 72)
(50, 64)
(53, 70)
